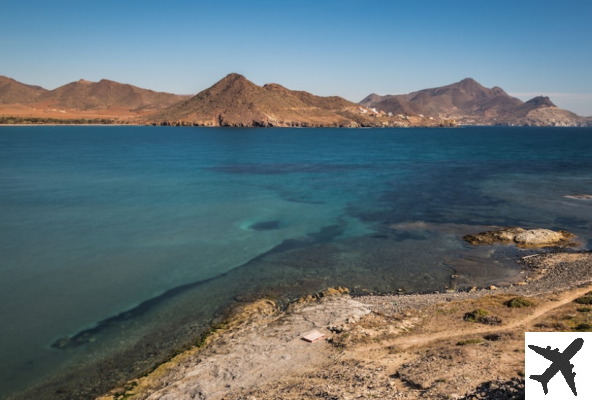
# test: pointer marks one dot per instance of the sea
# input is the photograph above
(120, 245)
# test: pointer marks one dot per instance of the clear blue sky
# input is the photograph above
(349, 48)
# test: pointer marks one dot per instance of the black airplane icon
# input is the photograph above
(560, 363)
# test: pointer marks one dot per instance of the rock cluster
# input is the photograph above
(522, 237)
(499, 390)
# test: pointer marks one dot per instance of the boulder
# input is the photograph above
(539, 237)
(496, 236)
(522, 237)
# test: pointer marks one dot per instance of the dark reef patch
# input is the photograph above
(286, 168)
(265, 226)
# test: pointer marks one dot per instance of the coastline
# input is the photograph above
(258, 352)
(317, 262)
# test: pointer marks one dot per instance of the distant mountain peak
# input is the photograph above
(12, 91)
(232, 81)
(87, 95)
(470, 85)
(234, 78)
(469, 81)
(498, 90)
(541, 101)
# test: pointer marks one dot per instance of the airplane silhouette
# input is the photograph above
(560, 363)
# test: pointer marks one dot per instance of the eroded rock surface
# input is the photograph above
(522, 237)
(268, 347)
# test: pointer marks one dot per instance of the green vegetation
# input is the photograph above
(42, 121)
(586, 299)
(476, 315)
(583, 327)
(125, 392)
(482, 316)
(469, 341)
(519, 302)
(585, 309)
(204, 336)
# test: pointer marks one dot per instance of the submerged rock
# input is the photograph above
(522, 237)
(579, 196)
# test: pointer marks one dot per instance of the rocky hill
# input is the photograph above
(469, 102)
(235, 101)
(540, 111)
(85, 95)
(13, 92)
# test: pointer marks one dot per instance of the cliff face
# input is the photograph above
(469, 102)
(235, 101)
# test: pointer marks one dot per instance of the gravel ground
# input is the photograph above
(544, 273)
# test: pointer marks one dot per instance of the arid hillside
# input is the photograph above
(469, 102)
(102, 95)
(13, 92)
(235, 101)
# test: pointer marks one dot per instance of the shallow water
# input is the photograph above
(133, 238)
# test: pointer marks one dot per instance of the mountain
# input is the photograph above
(396, 105)
(12, 92)
(235, 101)
(85, 95)
(466, 99)
(469, 102)
(540, 111)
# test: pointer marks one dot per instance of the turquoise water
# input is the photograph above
(170, 225)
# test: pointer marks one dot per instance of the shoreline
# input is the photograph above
(373, 302)
(181, 125)
(260, 337)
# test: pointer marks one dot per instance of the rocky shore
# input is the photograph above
(465, 345)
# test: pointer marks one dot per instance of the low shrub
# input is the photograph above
(476, 315)
(585, 299)
(469, 341)
(519, 302)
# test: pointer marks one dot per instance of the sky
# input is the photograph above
(349, 48)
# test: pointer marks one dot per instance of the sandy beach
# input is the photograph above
(390, 347)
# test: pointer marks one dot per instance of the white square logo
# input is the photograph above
(558, 365)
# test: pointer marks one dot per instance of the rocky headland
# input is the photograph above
(459, 344)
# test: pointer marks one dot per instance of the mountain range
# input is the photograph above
(469, 102)
(86, 95)
(235, 101)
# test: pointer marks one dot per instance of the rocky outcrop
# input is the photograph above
(522, 237)
(550, 116)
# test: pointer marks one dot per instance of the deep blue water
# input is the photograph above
(94, 221)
